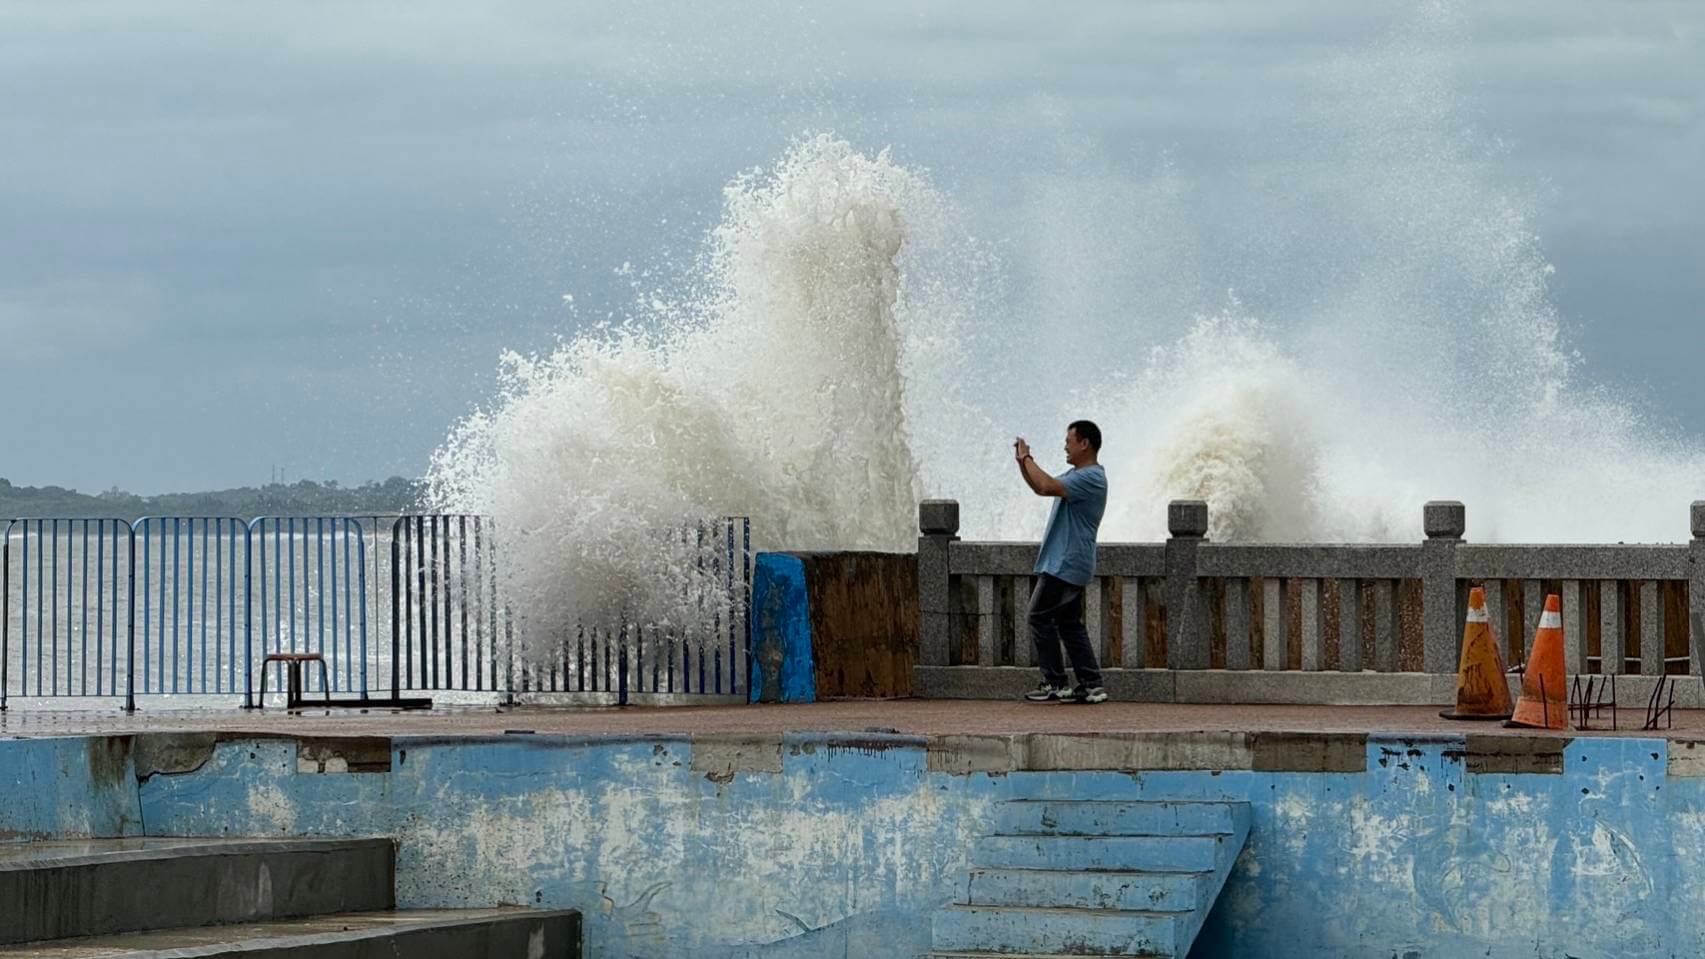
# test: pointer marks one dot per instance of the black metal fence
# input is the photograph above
(187, 609)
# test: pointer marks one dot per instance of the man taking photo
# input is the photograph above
(1066, 564)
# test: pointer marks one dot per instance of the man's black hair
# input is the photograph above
(1088, 431)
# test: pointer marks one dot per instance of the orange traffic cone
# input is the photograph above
(1482, 692)
(1544, 703)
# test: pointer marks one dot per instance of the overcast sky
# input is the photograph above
(298, 234)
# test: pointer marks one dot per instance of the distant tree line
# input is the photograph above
(301, 498)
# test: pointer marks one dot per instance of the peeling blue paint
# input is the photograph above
(783, 667)
(850, 848)
(67, 788)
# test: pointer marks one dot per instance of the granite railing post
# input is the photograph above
(1444, 523)
(938, 526)
(1696, 590)
(1186, 630)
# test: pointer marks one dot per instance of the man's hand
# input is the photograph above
(1035, 476)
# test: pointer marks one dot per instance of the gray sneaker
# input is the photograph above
(1087, 695)
(1048, 693)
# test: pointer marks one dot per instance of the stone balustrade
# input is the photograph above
(1190, 620)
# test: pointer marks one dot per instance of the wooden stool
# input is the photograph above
(293, 677)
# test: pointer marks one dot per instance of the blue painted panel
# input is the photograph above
(783, 667)
(837, 846)
(78, 788)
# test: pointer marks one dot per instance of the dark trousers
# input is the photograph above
(1056, 617)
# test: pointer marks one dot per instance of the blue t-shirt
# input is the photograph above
(1068, 548)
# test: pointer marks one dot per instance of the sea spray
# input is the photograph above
(772, 392)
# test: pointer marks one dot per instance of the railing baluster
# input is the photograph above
(462, 586)
(1023, 647)
(1092, 618)
(1311, 631)
(1274, 653)
(427, 657)
(339, 657)
(1235, 612)
(361, 559)
(1133, 617)
(204, 611)
(24, 614)
(319, 605)
(1612, 643)
(988, 619)
(100, 605)
(1651, 630)
(1574, 626)
(1387, 626)
(147, 606)
(219, 547)
(83, 630)
(53, 611)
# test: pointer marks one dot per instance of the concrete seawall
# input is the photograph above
(824, 844)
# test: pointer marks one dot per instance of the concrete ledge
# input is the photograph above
(1512, 754)
(1686, 758)
(1011, 682)
(1260, 687)
(1309, 752)
(719, 758)
(962, 755)
(1139, 751)
(1315, 688)
(1206, 686)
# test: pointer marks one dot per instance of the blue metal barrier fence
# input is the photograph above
(190, 606)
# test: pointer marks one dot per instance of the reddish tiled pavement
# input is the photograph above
(914, 716)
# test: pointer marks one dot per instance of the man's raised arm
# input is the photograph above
(1035, 476)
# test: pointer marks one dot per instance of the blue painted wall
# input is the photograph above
(783, 667)
(67, 788)
(831, 846)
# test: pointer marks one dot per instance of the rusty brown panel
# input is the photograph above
(1629, 593)
(963, 604)
(1292, 596)
(864, 611)
(1113, 618)
(1510, 629)
(1410, 642)
(1367, 604)
(1155, 628)
(1673, 594)
(1213, 591)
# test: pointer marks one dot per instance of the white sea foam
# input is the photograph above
(771, 391)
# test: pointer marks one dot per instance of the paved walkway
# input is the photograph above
(912, 716)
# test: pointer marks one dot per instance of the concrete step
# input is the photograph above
(1143, 891)
(510, 933)
(56, 889)
(1124, 818)
(1097, 853)
(1058, 931)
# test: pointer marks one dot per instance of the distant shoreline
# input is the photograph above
(304, 497)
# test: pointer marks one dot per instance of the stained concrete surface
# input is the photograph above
(930, 718)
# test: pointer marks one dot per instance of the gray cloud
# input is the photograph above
(338, 213)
